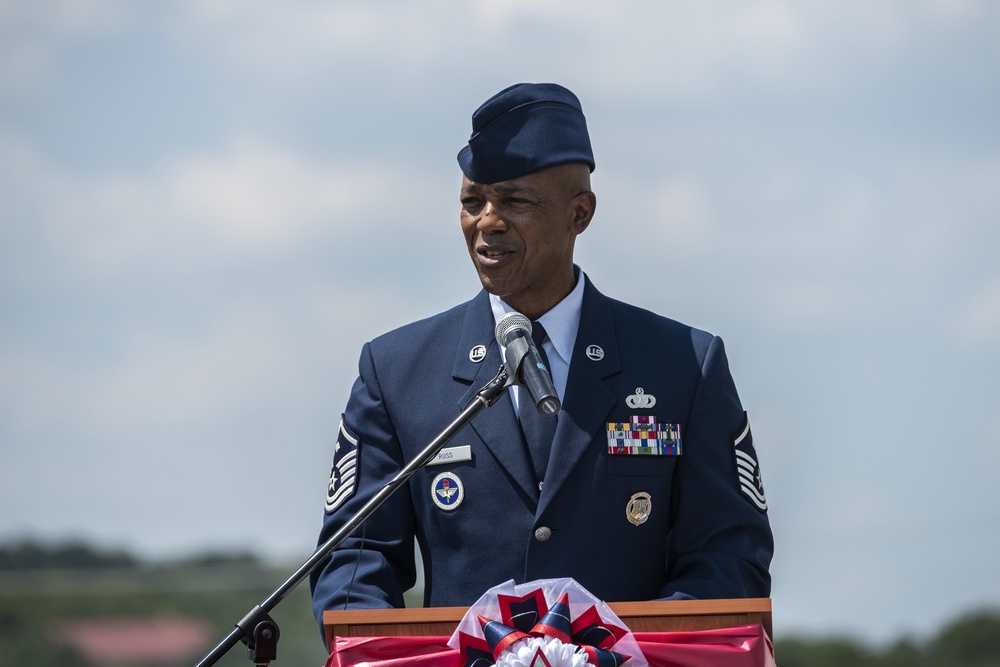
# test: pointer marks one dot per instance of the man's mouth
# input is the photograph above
(492, 255)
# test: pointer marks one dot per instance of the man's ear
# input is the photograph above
(583, 207)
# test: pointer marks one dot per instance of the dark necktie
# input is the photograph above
(538, 429)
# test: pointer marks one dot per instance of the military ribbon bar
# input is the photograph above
(643, 436)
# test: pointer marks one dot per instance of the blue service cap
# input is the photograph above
(525, 128)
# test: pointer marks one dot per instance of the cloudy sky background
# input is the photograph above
(207, 207)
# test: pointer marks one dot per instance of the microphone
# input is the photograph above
(525, 364)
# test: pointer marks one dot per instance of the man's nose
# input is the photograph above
(490, 220)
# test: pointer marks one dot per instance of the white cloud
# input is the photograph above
(167, 422)
(978, 318)
(803, 306)
(684, 205)
(682, 211)
(259, 196)
(32, 34)
(253, 200)
(657, 47)
(297, 40)
(677, 213)
(254, 352)
(982, 186)
(823, 232)
(155, 380)
(958, 11)
(61, 17)
(672, 48)
(22, 68)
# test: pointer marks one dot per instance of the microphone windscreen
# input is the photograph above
(509, 323)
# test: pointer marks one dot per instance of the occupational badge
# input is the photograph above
(638, 508)
(640, 400)
(747, 467)
(344, 473)
(447, 491)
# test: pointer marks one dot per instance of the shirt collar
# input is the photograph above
(561, 322)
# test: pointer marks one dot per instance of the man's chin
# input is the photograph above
(491, 282)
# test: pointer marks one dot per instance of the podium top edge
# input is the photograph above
(621, 609)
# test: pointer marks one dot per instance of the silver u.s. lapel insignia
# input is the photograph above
(477, 354)
(638, 508)
(640, 400)
(447, 491)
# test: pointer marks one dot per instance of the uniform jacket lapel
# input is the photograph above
(588, 400)
(497, 425)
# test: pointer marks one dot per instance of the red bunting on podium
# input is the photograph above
(742, 646)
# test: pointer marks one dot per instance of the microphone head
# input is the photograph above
(509, 323)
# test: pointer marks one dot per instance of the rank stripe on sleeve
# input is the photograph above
(344, 473)
(748, 469)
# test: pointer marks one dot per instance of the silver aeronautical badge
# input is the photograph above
(638, 508)
(595, 352)
(447, 491)
(477, 354)
(640, 399)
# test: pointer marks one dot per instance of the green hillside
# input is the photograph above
(36, 603)
(44, 590)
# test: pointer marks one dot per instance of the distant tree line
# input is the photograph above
(46, 584)
(973, 640)
(73, 554)
(77, 554)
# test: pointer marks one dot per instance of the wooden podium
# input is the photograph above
(653, 616)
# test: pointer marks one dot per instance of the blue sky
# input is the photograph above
(207, 207)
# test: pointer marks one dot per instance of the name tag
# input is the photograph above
(452, 455)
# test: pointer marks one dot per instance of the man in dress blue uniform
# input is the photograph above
(650, 485)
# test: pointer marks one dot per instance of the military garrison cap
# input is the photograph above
(525, 128)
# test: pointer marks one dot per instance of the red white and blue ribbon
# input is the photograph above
(546, 623)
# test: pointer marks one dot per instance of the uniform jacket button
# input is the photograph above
(543, 533)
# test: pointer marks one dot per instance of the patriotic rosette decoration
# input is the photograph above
(546, 623)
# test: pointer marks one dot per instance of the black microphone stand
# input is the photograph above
(257, 630)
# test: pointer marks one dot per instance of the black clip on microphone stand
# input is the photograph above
(257, 630)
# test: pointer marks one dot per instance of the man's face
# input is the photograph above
(520, 234)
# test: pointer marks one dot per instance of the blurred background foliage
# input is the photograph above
(44, 586)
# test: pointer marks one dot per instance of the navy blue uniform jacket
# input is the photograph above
(704, 536)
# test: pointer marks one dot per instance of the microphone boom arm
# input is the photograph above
(257, 623)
